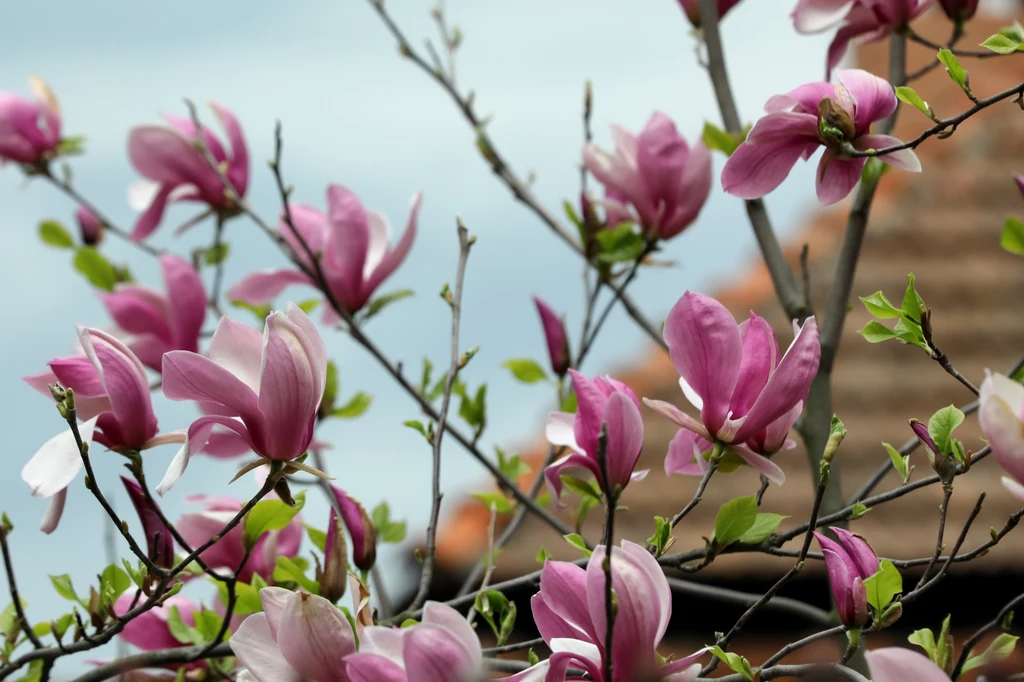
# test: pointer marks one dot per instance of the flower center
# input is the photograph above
(835, 127)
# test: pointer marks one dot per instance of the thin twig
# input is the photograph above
(940, 357)
(947, 492)
(489, 560)
(977, 54)
(914, 594)
(802, 670)
(713, 462)
(12, 588)
(993, 624)
(611, 501)
(801, 643)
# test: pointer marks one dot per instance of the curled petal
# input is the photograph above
(264, 286)
(553, 473)
(762, 465)
(57, 462)
(685, 454)
(198, 434)
(896, 664)
(904, 159)
(874, 97)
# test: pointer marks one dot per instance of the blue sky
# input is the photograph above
(354, 112)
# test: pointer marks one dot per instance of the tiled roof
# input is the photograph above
(943, 226)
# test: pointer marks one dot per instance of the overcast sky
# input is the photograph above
(354, 112)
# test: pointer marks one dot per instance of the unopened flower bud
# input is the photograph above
(835, 125)
(891, 614)
(554, 334)
(944, 465)
(360, 528)
(159, 540)
(849, 562)
(90, 225)
(57, 392)
(333, 578)
(959, 10)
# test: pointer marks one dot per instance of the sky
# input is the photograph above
(354, 112)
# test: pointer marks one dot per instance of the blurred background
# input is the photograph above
(354, 112)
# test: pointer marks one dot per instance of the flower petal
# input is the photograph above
(126, 384)
(574, 461)
(814, 16)
(895, 664)
(905, 159)
(238, 167)
(678, 417)
(53, 512)
(188, 376)
(198, 434)
(874, 97)
(762, 465)
(432, 654)
(238, 348)
(256, 649)
(560, 430)
(349, 241)
(186, 301)
(754, 170)
(57, 463)
(685, 454)
(447, 618)
(264, 286)
(625, 438)
(392, 258)
(563, 587)
(370, 667)
(314, 637)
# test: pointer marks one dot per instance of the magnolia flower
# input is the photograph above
(850, 562)
(352, 245)
(692, 9)
(29, 131)
(748, 398)
(226, 554)
(299, 637)
(837, 117)
(860, 20)
(176, 170)
(442, 648)
(159, 541)
(1002, 422)
(157, 323)
(149, 631)
(89, 225)
(270, 387)
(657, 173)
(111, 396)
(959, 10)
(601, 402)
(895, 664)
(555, 336)
(360, 529)
(569, 611)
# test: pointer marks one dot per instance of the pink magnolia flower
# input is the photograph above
(664, 179)
(157, 323)
(159, 541)
(111, 397)
(89, 225)
(555, 336)
(29, 131)
(271, 386)
(748, 398)
(858, 20)
(177, 171)
(149, 631)
(569, 611)
(849, 562)
(442, 648)
(198, 527)
(601, 401)
(836, 117)
(895, 664)
(351, 243)
(299, 637)
(1002, 422)
(692, 9)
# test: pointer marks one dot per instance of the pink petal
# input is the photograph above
(661, 156)
(563, 587)
(860, 553)
(274, 600)
(591, 402)
(1016, 489)
(648, 563)
(314, 637)
(198, 433)
(574, 461)
(139, 310)
(311, 225)
(347, 245)
(313, 343)
(804, 98)
(905, 159)
(265, 286)
(1002, 403)
(238, 167)
(858, 25)
(149, 631)
(899, 665)
(447, 618)
(165, 155)
(126, 384)
(754, 170)
(432, 654)
(549, 624)
(238, 348)
(150, 219)
(874, 97)
(554, 336)
(393, 258)
(784, 125)
(257, 650)
(760, 355)
(696, 186)
(369, 667)
(776, 432)
(188, 376)
(705, 346)
(618, 174)
(625, 437)
(77, 372)
(836, 178)
(678, 417)
(186, 301)
(685, 454)
(54, 511)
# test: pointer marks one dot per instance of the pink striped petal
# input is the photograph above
(370, 667)
(432, 654)
(256, 649)
(186, 301)
(188, 376)
(447, 618)
(149, 220)
(126, 384)
(563, 587)
(311, 225)
(198, 433)
(625, 437)
(874, 97)
(684, 454)
(349, 241)
(905, 159)
(238, 167)
(678, 417)
(761, 465)
(265, 286)
(394, 257)
(314, 637)
(572, 463)
(54, 511)
(754, 170)
(139, 310)
(238, 348)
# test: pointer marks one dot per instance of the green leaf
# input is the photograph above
(54, 234)
(662, 535)
(577, 541)
(512, 467)
(900, 462)
(913, 304)
(62, 583)
(1000, 649)
(288, 569)
(581, 487)
(416, 426)
(859, 510)
(388, 531)
(879, 306)
(359, 403)
(736, 662)
(716, 138)
(309, 305)
(270, 515)
(944, 647)
(587, 502)
(474, 410)
(876, 332)
(883, 586)
(499, 613)
(260, 311)
(1012, 238)
(734, 519)
(208, 624)
(71, 146)
(1002, 44)
(216, 254)
(570, 213)
(569, 404)
(179, 630)
(330, 387)
(619, 244)
(953, 68)
(9, 616)
(378, 304)
(924, 639)
(764, 526)
(525, 370)
(543, 555)
(95, 268)
(941, 427)
(317, 537)
(247, 597)
(908, 95)
(113, 582)
(497, 500)
(428, 371)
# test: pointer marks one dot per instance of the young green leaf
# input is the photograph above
(953, 68)
(216, 254)
(290, 569)
(716, 138)
(498, 501)
(577, 541)
(54, 234)
(908, 95)
(95, 268)
(1000, 649)
(1002, 44)
(1012, 238)
(388, 531)
(924, 639)
(734, 519)
(876, 332)
(270, 515)
(359, 403)
(662, 535)
(913, 304)
(317, 537)
(525, 370)
(735, 662)
(384, 300)
(883, 585)
(581, 487)
(543, 555)
(879, 306)
(113, 582)
(941, 427)
(62, 583)
(900, 462)
(764, 526)
(619, 244)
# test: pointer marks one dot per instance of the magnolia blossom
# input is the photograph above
(29, 131)
(555, 336)
(895, 664)
(89, 225)
(657, 173)
(692, 9)
(351, 243)
(111, 396)
(226, 554)
(442, 648)
(837, 117)
(1002, 421)
(157, 323)
(299, 637)
(159, 541)
(176, 170)
(569, 611)
(601, 402)
(149, 631)
(849, 562)
(268, 389)
(859, 20)
(748, 398)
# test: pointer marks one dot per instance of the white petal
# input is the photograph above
(141, 194)
(559, 430)
(691, 395)
(57, 462)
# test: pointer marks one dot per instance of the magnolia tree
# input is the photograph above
(263, 391)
